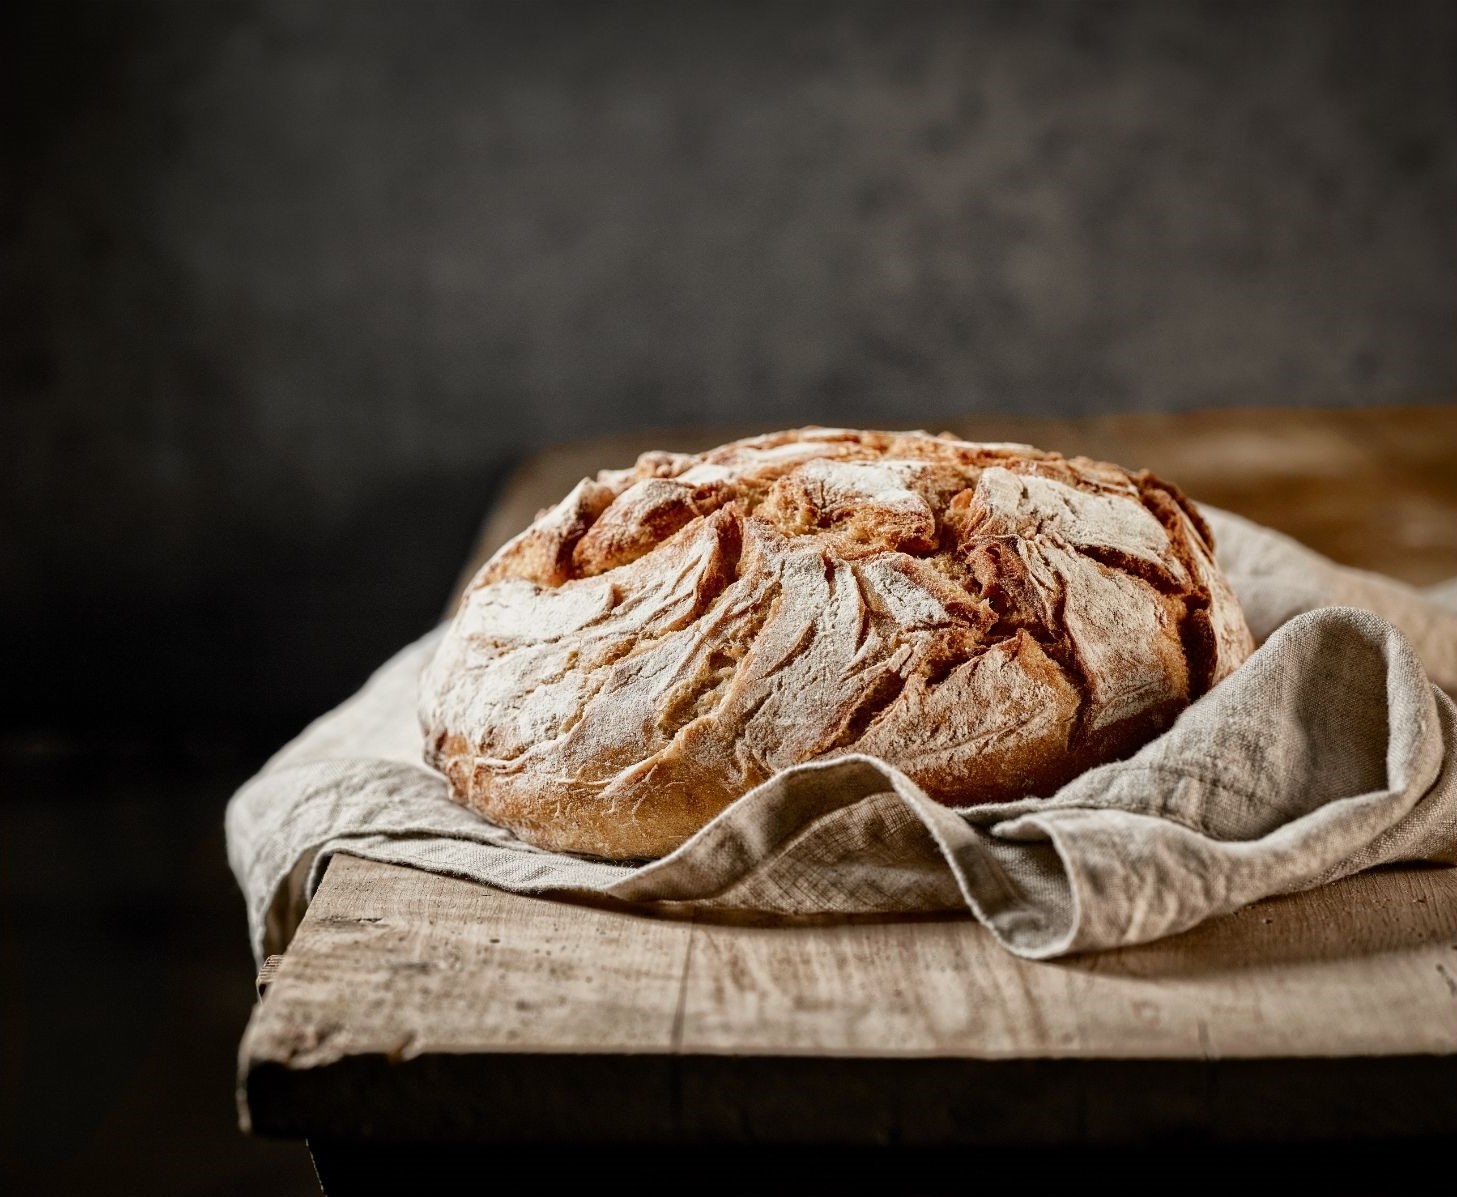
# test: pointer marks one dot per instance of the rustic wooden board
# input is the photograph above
(416, 1007)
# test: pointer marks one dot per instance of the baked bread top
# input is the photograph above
(989, 618)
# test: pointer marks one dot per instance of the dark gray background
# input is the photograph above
(285, 287)
(286, 283)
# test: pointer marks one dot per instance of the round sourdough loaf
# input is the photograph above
(989, 618)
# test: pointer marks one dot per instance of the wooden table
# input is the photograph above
(412, 1009)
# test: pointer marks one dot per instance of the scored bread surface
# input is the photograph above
(991, 619)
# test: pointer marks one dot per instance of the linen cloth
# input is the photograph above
(1330, 751)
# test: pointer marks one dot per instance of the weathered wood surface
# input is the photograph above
(400, 962)
(417, 1006)
(411, 1006)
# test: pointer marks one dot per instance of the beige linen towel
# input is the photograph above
(1328, 752)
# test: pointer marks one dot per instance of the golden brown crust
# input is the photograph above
(992, 619)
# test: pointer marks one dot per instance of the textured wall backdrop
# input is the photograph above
(285, 283)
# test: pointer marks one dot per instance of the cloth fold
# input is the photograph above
(1330, 751)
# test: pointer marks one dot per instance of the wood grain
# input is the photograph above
(454, 965)
(1291, 977)
(417, 1007)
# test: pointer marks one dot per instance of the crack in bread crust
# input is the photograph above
(992, 619)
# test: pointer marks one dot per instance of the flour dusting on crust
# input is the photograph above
(990, 618)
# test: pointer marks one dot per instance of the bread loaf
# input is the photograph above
(989, 618)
